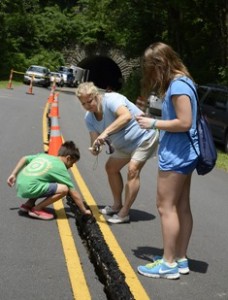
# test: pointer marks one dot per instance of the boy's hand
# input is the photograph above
(11, 180)
(87, 212)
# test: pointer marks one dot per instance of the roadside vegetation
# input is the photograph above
(47, 32)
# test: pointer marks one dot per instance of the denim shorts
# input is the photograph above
(51, 190)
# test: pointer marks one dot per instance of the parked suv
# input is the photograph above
(214, 104)
(41, 76)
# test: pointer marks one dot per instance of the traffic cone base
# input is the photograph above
(9, 86)
(29, 92)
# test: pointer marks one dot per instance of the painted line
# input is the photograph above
(130, 276)
(78, 283)
(76, 275)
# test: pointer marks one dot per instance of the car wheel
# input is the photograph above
(226, 143)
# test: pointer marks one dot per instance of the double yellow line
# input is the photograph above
(78, 282)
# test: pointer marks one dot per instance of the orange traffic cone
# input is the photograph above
(55, 137)
(52, 93)
(51, 97)
(30, 87)
(54, 112)
(9, 86)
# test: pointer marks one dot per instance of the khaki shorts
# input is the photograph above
(143, 152)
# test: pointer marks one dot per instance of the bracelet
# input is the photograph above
(153, 124)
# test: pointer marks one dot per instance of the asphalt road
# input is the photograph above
(33, 265)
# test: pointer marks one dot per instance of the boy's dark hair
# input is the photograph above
(69, 148)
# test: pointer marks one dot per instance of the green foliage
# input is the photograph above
(49, 59)
(39, 30)
(131, 88)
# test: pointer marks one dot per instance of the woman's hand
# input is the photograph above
(95, 150)
(97, 144)
(144, 122)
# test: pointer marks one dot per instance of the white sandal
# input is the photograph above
(108, 210)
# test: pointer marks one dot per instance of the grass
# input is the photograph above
(4, 83)
(222, 162)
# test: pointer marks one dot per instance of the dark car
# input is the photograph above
(214, 104)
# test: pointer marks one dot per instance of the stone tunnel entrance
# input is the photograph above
(104, 72)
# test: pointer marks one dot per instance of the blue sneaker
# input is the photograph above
(159, 269)
(182, 264)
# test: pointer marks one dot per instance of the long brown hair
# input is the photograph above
(160, 65)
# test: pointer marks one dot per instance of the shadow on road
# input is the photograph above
(147, 253)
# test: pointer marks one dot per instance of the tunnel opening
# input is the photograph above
(103, 71)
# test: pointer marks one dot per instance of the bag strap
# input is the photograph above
(196, 95)
(198, 111)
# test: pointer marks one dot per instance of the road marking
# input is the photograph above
(123, 263)
(76, 274)
(130, 276)
(77, 279)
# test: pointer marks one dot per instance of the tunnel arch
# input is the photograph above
(103, 71)
(108, 67)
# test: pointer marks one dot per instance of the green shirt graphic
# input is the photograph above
(40, 170)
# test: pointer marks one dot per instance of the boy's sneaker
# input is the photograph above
(182, 264)
(40, 214)
(160, 269)
(25, 208)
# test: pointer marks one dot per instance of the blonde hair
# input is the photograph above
(86, 88)
(89, 89)
(160, 65)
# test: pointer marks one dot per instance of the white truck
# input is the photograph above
(80, 75)
(73, 75)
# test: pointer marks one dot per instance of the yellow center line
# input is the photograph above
(76, 275)
(131, 278)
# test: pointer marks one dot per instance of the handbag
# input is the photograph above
(207, 155)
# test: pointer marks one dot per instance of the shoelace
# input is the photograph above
(153, 264)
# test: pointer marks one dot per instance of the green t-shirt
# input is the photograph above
(40, 170)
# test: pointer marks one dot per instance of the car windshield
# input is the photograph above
(65, 70)
(37, 69)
